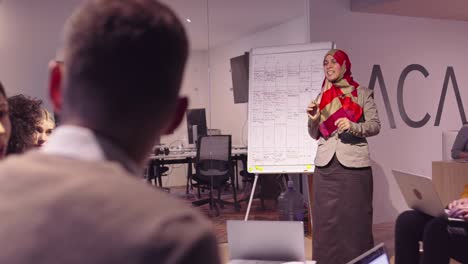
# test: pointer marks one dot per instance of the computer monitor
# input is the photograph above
(240, 78)
(196, 124)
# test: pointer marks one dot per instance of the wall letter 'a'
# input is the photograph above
(450, 74)
(377, 74)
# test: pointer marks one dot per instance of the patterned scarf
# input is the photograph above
(339, 98)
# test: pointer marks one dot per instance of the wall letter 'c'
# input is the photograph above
(401, 107)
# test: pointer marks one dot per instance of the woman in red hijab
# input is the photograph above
(341, 118)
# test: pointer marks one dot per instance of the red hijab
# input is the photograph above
(339, 98)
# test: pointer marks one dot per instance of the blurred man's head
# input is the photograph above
(123, 67)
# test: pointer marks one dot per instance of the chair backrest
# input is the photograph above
(214, 153)
(448, 137)
(211, 132)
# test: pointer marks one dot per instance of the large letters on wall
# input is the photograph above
(377, 75)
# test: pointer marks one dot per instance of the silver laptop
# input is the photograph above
(253, 242)
(376, 255)
(419, 193)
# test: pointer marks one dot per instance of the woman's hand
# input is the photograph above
(313, 111)
(459, 202)
(343, 124)
(460, 212)
(459, 209)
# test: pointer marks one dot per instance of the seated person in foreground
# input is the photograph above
(440, 239)
(25, 115)
(460, 145)
(80, 198)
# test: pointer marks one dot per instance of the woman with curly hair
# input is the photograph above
(25, 116)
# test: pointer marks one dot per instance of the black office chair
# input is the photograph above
(162, 172)
(155, 172)
(214, 169)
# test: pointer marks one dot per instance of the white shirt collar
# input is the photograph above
(74, 142)
(82, 143)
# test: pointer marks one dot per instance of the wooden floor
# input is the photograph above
(383, 232)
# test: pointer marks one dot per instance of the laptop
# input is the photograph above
(419, 193)
(265, 242)
(376, 255)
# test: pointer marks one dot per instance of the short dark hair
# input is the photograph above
(124, 59)
(25, 114)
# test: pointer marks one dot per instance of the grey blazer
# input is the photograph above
(351, 147)
(461, 142)
(57, 209)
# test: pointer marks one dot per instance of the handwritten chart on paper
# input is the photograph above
(282, 82)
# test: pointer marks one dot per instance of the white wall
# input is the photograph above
(195, 87)
(29, 37)
(229, 117)
(395, 42)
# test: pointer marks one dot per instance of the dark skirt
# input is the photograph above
(341, 213)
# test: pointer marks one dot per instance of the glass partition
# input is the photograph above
(221, 33)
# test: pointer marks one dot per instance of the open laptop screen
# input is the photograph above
(376, 255)
(266, 240)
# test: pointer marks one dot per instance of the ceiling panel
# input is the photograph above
(439, 9)
(231, 19)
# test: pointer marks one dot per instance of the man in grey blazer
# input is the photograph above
(78, 199)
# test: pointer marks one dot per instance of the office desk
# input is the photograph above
(449, 178)
(156, 162)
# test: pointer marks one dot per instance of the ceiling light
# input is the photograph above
(188, 20)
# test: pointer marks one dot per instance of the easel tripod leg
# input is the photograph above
(251, 197)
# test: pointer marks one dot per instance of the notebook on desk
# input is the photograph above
(265, 242)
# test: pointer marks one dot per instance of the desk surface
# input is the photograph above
(175, 155)
(449, 178)
(451, 162)
(192, 154)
